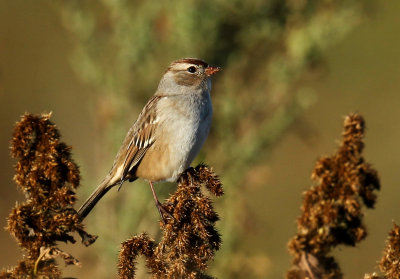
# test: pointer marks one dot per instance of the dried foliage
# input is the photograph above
(390, 264)
(189, 238)
(48, 177)
(331, 210)
(372, 276)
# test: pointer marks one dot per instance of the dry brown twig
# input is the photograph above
(331, 210)
(47, 175)
(189, 240)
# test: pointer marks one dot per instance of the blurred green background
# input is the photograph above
(291, 71)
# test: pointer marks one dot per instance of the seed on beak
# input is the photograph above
(210, 70)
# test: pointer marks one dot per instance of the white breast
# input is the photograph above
(186, 124)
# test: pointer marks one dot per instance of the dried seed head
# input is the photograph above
(48, 176)
(331, 210)
(189, 240)
(390, 264)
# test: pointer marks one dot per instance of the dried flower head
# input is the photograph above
(390, 264)
(331, 210)
(48, 176)
(189, 239)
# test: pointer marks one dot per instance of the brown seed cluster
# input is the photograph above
(390, 264)
(331, 210)
(189, 239)
(48, 176)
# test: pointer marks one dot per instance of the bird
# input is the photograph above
(168, 133)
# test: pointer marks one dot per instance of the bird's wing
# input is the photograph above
(138, 140)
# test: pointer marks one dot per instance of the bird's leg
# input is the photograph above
(120, 184)
(160, 208)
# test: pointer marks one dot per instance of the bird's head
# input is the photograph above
(187, 75)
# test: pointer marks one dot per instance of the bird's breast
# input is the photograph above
(186, 126)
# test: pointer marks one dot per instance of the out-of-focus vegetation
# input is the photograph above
(36, 76)
(266, 49)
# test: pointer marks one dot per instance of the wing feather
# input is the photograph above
(140, 137)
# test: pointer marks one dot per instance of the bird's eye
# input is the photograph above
(191, 69)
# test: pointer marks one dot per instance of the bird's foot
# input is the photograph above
(164, 214)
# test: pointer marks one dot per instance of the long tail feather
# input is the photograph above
(88, 205)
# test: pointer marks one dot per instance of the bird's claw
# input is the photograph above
(164, 214)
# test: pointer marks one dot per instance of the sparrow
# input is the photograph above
(168, 133)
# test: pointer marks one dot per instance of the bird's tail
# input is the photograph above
(100, 191)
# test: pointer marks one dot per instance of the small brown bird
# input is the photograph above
(168, 133)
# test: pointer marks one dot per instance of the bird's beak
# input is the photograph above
(210, 70)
